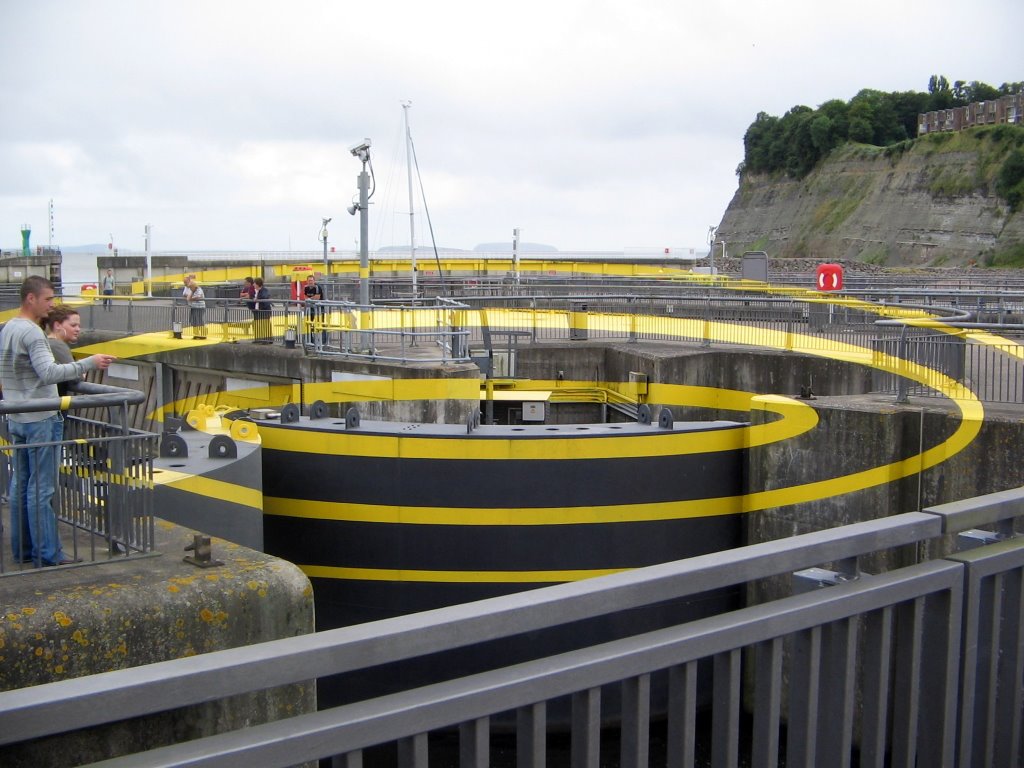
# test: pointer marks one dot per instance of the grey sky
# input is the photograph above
(589, 125)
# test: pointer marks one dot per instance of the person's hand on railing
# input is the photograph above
(103, 361)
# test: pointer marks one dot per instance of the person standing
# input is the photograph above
(108, 286)
(314, 294)
(28, 372)
(196, 308)
(62, 327)
(261, 313)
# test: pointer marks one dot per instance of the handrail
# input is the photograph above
(93, 396)
(72, 704)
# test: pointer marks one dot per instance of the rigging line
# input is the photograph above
(387, 210)
(426, 210)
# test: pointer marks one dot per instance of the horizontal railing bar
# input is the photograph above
(970, 513)
(363, 724)
(73, 704)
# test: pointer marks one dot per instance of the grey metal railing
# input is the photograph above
(103, 479)
(920, 665)
(444, 330)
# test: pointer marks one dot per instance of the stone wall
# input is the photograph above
(70, 622)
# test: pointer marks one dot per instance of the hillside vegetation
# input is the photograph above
(943, 199)
(794, 143)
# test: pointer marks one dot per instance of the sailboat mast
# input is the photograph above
(412, 221)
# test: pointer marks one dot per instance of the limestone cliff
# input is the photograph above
(929, 202)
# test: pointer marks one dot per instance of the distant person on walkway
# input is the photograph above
(261, 313)
(196, 308)
(108, 290)
(28, 372)
(62, 327)
(248, 294)
(314, 294)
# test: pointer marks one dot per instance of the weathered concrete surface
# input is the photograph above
(69, 622)
(741, 368)
(311, 374)
(872, 430)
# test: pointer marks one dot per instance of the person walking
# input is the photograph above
(261, 313)
(196, 309)
(107, 287)
(28, 372)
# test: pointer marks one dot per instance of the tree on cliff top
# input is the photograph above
(797, 141)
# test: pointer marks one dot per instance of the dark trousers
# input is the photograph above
(261, 319)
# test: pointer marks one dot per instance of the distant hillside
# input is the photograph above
(928, 202)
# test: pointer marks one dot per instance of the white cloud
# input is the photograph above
(588, 124)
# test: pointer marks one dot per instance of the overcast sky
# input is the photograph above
(589, 125)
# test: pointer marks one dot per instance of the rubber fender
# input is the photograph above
(173, 446)
(223, 447)
(352, 418)
(665, 418)
(196, 419)
(318, 410)
(244, 430)
(643, 414)
(290, 413)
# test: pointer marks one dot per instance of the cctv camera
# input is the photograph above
(360, 149)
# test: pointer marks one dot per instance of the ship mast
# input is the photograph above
(412, 222)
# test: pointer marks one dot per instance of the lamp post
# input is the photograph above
(711, 248)
(323, 236)
(362, 151)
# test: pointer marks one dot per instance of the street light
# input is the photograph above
(323, 236)
(712, 231)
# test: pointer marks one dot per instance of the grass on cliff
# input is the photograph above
(987, 150)
(1007, 257)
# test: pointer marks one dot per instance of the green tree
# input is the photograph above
(937, 84)
(821, 134)
(1010, 180)
(977, 91)
(861, 130)
(757, 143)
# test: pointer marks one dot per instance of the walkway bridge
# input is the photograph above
(914, 665)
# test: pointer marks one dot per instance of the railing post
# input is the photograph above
(706, 341)
(789, 326)
(902, 387)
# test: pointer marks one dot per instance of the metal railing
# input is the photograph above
(444, 330)
(919, 665)
(102, 481)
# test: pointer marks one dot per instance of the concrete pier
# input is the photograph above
(61, 623)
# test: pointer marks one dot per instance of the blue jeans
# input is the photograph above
(33, 520)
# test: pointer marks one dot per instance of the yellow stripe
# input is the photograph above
(215, 489)
(620, 513)
(450, 577)
(65, 402)
(364, 272)
(795, 418)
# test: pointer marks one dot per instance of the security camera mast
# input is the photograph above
(362, 151)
